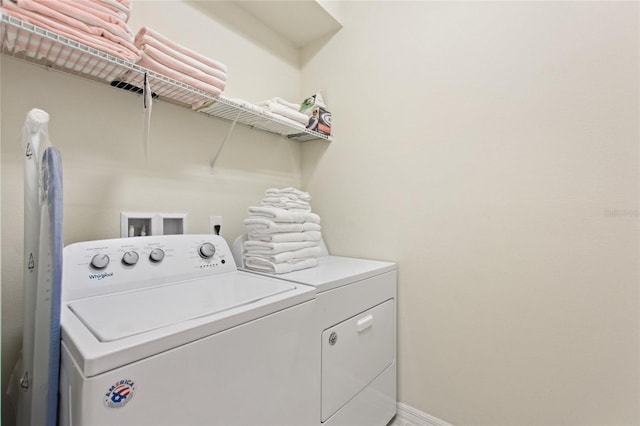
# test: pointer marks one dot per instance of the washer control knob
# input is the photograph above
(156, 255)
(207, 250)
(99, 261)
(130, 258)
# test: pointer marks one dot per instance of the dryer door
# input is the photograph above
(354, 353)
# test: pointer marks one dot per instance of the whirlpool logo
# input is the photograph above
(100, 276)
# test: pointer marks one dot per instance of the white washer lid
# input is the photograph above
(336, 271)
(121, 315)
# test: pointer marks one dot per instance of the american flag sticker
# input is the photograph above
(119, 394)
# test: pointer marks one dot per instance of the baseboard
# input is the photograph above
(409, 416)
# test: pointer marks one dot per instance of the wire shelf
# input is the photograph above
(37, 45)
(259, 118)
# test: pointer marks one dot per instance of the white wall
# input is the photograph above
(98, 130)
(491, 149)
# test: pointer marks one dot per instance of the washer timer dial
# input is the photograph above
(207, 250)
(130, 258)
(100, 261)
(156, 255)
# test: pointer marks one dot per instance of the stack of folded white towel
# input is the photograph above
(101, 24)
(170, 59)
(285, 111)
(283, 233)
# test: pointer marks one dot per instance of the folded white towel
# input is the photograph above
(295, 107)
(288, 205)
(287, 120)
(269, 235)
(285, 111)
(267, 248)
(267, 226)
(247, 105)
(280, 268)
(285, 198)
(281, 215)
(286, 237)
(287, 255)
(293, 193)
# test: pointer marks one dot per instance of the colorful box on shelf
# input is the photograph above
(319, 117)
(320, 121)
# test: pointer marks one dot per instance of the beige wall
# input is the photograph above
(491, 149)
(99, 133)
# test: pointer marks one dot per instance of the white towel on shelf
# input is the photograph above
(286, 237)
(285, 198)
(286, 203)
(280, 268)
(267, 226)
(281, 215)
(295, 107)
(285, 111)
(283, 234)
(287, 255)
(236, 102)
(268, 248)
(293, 193)
(269, 235)
(286, 120)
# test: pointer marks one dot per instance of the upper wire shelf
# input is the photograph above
(34, 44)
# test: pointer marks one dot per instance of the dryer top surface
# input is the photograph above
(337, 271)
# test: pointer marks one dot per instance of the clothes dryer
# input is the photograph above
(164, 330)
(356, 325)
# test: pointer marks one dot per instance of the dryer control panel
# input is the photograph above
(99, 267)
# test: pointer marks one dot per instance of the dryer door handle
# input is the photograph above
(363, 323)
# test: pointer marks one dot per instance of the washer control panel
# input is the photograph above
(93, 268)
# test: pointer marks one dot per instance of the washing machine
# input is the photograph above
(165, 330)
(356, 328)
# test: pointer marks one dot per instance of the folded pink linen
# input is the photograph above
(176, 65)
(93, 16)
(45, 10)
(63, 56)
(175, 46)
(153, 65)
(106, 9)
(96, 42)
(148, 40)
(125, 3)
(123, 8)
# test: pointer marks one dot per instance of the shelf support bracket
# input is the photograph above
(215, 158)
